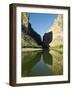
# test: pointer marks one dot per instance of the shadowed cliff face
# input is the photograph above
(29, 36)
(47, 38)
(34, 35)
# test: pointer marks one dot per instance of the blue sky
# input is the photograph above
(41, 22)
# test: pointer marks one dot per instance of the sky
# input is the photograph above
(41, 22)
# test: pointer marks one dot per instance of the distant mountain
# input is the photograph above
(56, 32)
(29, 37)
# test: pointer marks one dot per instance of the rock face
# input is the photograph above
(29, 37)
(47, 38)
(24, 21)
(34, 35)
(28, 42)
(57, 33)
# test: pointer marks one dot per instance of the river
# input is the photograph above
(41, 63)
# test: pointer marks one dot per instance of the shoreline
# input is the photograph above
(31, 49)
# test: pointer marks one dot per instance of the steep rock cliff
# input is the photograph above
(47, 38)
(57, 33)
(28, 42)
(57, 30)
(30, 38)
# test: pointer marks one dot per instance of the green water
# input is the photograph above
(41, 63)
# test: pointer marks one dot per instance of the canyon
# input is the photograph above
(51, 39)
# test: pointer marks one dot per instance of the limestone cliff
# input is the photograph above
(57, 33)
(28, 42)
(57, 30)
(29, 38)
(47, 38)
(25, 19)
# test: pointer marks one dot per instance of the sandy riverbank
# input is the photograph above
(31, 49)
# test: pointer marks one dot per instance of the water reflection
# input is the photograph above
(41, 63)
(57, 66)
(29, 59)
(47, 57)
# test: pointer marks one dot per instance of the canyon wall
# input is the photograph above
(57, 33)
(29, 38)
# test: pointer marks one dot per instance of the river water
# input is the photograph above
(41, 63)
